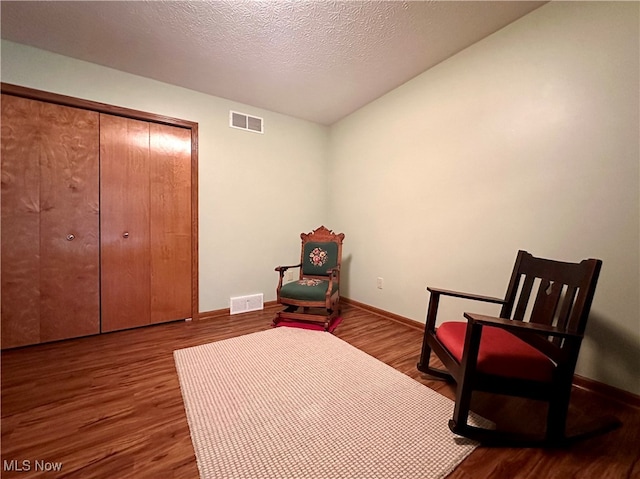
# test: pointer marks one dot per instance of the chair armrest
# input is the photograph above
(282, 269)
(512, 325)
(333, 272)
(434, 301)
(458, 294)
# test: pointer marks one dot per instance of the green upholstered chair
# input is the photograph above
(529, 351)
(315, 296)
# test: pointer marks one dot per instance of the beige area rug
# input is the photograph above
(294, 403)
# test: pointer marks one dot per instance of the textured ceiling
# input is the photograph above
(316, 60)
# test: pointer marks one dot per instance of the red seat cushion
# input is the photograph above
(501, 352)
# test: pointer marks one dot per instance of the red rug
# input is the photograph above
(316, 327)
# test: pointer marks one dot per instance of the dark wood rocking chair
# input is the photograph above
(531, 353)
(315, 296)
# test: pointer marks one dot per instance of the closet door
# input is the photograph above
(124, 222)
(145, 171)
(50, 243)
(170, 222)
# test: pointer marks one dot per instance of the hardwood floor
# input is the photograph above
(110, 406)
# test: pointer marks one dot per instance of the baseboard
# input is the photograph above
(381, 312)
(602, 389)
(221, 313)
(610, 392)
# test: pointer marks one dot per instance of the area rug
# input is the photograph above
(294, 403)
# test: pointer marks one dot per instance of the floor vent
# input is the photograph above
(244, 304)
(246, 122)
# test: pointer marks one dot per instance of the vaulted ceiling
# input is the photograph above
(316, 60)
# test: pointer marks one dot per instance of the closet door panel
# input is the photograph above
(69, 223)
(170, 222)
(20, 228)
(124, 220)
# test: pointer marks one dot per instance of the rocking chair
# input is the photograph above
(531, 353)
(315, 296)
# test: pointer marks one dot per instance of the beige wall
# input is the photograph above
(256, 192)
(526, 140)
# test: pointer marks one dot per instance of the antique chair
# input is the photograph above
(315, 296)
(528, 352)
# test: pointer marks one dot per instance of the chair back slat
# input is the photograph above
(567, 306)
(523, 299)
(546, 304)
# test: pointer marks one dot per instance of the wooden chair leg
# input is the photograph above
(429, 329)
(461, 409)
(557, 417)
(423, 365)
(464, 389)
(425, 355)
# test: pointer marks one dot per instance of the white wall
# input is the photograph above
(528, 140)
(256, 192)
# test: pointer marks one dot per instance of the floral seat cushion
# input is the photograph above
(306, 289)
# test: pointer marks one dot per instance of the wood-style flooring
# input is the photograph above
(110, 406)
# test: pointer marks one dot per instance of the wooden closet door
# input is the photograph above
(69, 224)
(170, 222)
(50, 245)
(124, 221)
(20, 222)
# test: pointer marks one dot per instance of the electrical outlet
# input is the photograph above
(380, 283)
(289, 276)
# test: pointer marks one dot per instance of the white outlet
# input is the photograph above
(289, 276)
(380, 283)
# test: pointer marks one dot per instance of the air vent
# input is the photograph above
(244, 304)
(243, 121)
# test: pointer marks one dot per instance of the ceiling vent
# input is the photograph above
(246, 122)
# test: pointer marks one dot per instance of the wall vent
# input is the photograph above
(244, 304)
(246, 122)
